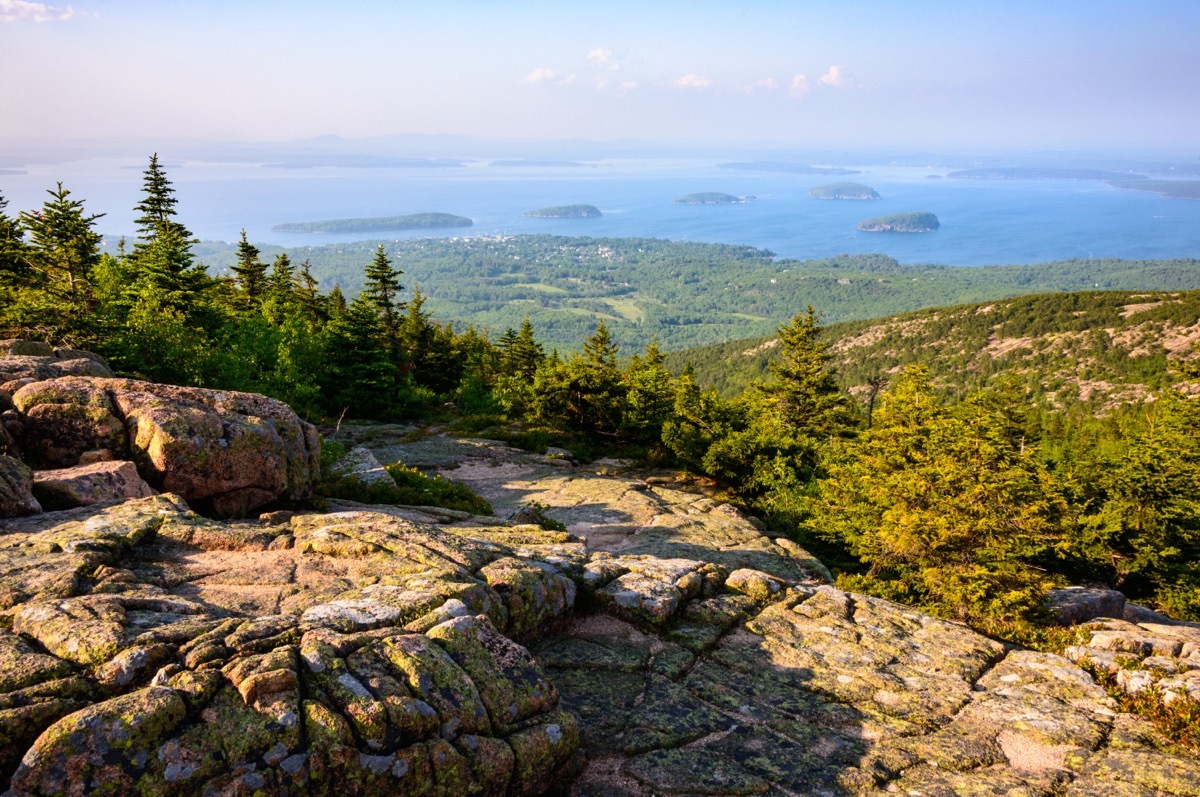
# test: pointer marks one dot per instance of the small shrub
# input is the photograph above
(422, 490)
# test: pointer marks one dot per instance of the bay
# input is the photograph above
(983, 222)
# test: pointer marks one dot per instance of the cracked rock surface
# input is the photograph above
(662, 645)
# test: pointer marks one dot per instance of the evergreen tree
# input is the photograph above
(281, 284)
(162, 256)
(360, 376)
(382, 287)
(650, 395)
(14, 269)
(807, 393)
(157, 208)
(249, 272)
(63, 250)
(308, 296)
(943, 509)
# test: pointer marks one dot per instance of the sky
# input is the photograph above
(1082, 74)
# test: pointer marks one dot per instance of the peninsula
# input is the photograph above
(785, 167)
(709, 198)
(921, 221)
(1042, 173)
(1171, 189)
(843, 191)
(566, 212)
(415, 221)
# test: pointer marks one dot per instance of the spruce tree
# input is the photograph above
(808, 397)
(382, 287)
(63, 249)
(157, 207)
(13, 266)
(249, 271)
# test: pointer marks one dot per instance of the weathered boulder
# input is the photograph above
(236, 451)
(1072, 605)
(16, 489)
(359, 463)
(84, 485)
(24, 361)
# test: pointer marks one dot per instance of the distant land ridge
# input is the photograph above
(415, 221)
(1042, 173)
(785, 167)
(566, 212)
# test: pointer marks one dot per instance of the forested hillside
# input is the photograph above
(1091, 347)
(685, 294)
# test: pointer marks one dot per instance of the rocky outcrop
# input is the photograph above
(663, 645)
(91, 483)
(233, 451)
(26, 361)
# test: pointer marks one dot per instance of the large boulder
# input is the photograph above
(16, 489)
(1072, 605)
(93, 483)
(234, 451)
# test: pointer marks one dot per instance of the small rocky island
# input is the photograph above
(415, 221)
(843, 191)
(710, 198)
(920, 221)
(566, 212)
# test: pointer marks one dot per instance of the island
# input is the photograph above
(566, 212)
(843, 191)
(920, 221)
(709, 198)
(415, 221)
(1171, 189)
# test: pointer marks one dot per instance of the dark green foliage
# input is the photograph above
(566, 212)
(250, 273)
(412, 488)
(157, 208)
(690, 294)
(917, 221)
(57, 262)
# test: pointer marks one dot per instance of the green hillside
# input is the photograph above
(687, 294)
(1096, 347)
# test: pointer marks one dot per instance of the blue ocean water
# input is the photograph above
(983, 222)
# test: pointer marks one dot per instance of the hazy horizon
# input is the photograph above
(1078, 77)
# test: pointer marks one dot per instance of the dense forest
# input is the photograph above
(968, 498)
(684, 294)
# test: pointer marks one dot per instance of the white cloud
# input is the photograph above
(23, 11)
(546, 75)
(693, 81)
(601, 84)
(626, 87)
(800, 86)
(838, 79)
(602, 57)
(766, 84)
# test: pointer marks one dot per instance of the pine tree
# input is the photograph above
(162, 256)
(157, 208)
(382, 287)
(250, 272)
(308, 296)
(281, 284)
(62, 252)
(14, 269)
(944, 510)
(807, 393)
